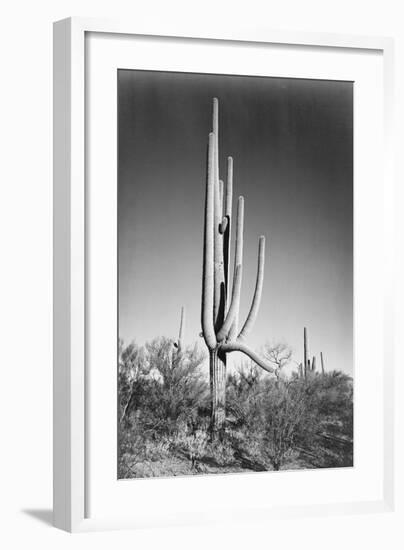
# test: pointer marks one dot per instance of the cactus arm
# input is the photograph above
(229, 347)
(235, 299)
(221, 197)
(218, 292)
(208, 254)
(228, 204)
(238, 260)
(215, 130)
(219, 279)
(219, 283)
(257, 293)
(229, 188)
(313, 364)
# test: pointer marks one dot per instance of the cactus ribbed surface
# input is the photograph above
(228, 204)
(238, 260)
(245, 331)
(220, 310)
(208, 329)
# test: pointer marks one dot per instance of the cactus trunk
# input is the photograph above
(217, 367)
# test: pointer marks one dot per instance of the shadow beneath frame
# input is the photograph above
(43, 515)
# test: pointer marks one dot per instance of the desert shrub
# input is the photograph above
(162, 394)
(132, 449)
(131, 368)
(157, 450)
(288, 421)
(274, 421)
(179, 391)
(160, 388)
(245, 389)
(192, 444)
(332, 397)
(222, 450)
(334, 400)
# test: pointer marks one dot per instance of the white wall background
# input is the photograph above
(26, 240)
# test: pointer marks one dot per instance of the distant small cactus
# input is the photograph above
(308, 367)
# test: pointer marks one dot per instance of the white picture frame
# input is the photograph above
(72, 466)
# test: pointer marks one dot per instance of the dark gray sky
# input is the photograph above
(292, 144)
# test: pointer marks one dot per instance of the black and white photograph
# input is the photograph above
(203, 258)
(235, 274)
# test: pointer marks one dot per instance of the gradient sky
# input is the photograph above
(292, 144)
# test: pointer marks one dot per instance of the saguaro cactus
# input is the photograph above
(220, 311)
(308, 367)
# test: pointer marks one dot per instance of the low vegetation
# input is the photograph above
(272, 422)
